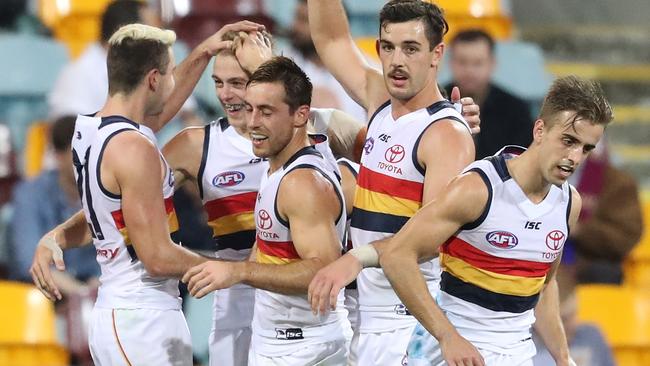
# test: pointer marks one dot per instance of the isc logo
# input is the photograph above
(502, 239)
(228, 179)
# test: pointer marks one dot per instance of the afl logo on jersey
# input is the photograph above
(264, 221)
(555, 239)
(228, 179)
(394, 154)
(502, 239)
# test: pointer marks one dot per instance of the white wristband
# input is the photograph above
(367, 256)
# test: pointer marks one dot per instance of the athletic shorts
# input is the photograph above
(383, 348)
(230, 337)
(424, 350)
(322, 354)
(139, 337)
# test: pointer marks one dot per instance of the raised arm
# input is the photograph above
(331, 35)
(188, 72)
(139, 179)
(184, 153)
(309, 203)
(548, 323)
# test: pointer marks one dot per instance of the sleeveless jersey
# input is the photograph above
(287, 320)
(228, 179)
(389, 191)
(495, 267)
(124, 280)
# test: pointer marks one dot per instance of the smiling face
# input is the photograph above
(407, 60)
(269, 119)
(230, 83)
(564, 145)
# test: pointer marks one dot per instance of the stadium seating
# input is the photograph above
(493, 16)
(33, 68)
(28, 330)
(74, 22)
(637, 265)
(623, 314)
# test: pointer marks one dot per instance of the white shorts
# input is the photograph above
(230, 337)
(139, 337)
(322, 354)
(352, 306)
(424, 350)
(383, 348)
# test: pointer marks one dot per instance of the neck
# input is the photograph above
(525, 170)
(428, 95)
(298, 141)
(131, 106)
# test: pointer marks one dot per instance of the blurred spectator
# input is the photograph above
(610, 223)
(505, 119)
(587, 344)
(8, 177)
(41, 204)
(82, 86)
(327, 93)
(15, 18)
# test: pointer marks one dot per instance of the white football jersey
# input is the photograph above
(124, 280)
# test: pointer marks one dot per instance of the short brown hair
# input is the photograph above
(134, 50)
(584, 97)
(401, 11)
(297, 86)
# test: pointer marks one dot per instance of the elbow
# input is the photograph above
(154, 266)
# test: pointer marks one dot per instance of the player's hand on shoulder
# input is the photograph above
(210, 276)
(469, 109)
(329, 280)
(47, 253)
(458, 351)
(253, 49)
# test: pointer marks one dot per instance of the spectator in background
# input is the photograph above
(587, 344)
(505, 119)
(82, 86)
(610, 223)
(327, 93)
(15, 18)
(41, 204)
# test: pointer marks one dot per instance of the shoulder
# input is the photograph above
(305, 188)
(130, 147)
(189, 137)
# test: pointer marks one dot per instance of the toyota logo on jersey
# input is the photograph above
(394, 154)
(555, 239)
(264, 221)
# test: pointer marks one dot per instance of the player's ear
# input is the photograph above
(301, 115)
(153, 79)
(539, 128)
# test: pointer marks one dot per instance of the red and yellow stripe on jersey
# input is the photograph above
(276, 252)
(496, 283)
(232, 220)
(172, 223)
(383, 203)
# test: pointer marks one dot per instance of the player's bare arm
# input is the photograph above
(183, 153)
(331, 35)
(138, 180)
(188, 72)
(434, 155)
(308, 202)
(548, 323)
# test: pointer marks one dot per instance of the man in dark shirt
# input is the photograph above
(505, 119)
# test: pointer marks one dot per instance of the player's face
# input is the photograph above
(269, 121)
(165, 86)
(472, 65)
(564, 146)
(230, 82)
(406, 60)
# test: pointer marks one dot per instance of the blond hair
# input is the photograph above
(138, 31)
